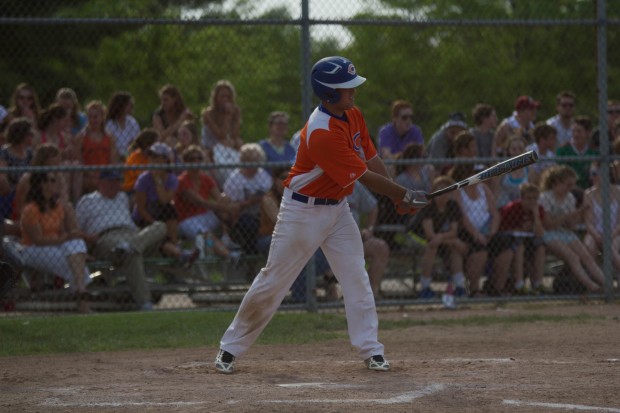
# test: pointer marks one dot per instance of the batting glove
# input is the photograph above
(415, 199)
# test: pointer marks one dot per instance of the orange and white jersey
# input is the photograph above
(332, 155)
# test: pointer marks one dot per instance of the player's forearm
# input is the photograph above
(382, 185)
(377, 166)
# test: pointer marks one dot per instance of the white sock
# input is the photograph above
(458, 279)
(425, 282)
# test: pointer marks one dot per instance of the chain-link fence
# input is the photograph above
(101, 82)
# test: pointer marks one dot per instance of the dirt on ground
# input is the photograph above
(542, 366)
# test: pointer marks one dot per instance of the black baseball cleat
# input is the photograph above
(378, 363)
(225, 362)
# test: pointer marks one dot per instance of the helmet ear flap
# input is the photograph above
(333, 96)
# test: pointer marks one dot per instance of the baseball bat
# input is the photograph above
(499, 169)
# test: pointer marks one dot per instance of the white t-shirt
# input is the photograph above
(124, 136)
(96, 213)
(238, 187)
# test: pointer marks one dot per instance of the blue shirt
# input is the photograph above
(273, 155)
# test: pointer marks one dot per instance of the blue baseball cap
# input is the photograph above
(111, 175)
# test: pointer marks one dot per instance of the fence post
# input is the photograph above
(306, 96)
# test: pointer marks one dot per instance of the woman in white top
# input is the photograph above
(561, 215)
(119, 123)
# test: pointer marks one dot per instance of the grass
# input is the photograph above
(160, 330)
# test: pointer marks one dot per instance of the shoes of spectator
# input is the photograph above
(224, 362)
(540, 290)
(229, 243)
(377, 363)
(120, 253)
(147, 306)
(235, 257)
(187, 258)
(427, 293)
(460, 292)
(522, 291)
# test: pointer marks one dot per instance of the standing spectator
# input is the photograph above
(246, 187)
(545, 137)
(480, 224)
(17, 152)
(519, 242)
(105, 217)
(119, 122)
(154, 194)
(171, 113)
(563, 121)
(579, 146)
(221, 120)
(561, 216)
(276, 147)
(506, 187)
(440, 145)
(67, 98)
(395, 136)
(24, 103)
(438, 224)
(594, 218)
(138, 156)
(485, 122)
(521, 122)
(51, 237)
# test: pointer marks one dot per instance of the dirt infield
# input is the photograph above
(514, 367)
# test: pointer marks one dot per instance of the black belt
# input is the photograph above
(317, 201)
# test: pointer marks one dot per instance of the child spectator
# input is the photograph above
(579, 146)
(507, 186)
(120, 124)
(545, 142)
(485, 122)
(186, 137)
(24, 103)
(138, 156)
(67, 98)
(561, 216)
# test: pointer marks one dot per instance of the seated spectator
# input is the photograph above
(197, 200)
(24, 103)
(613, 116)
(154, 193)
(246, 187)
(440, 144)
(594, 218)
(224, 155)
(67, 98)
(464, 146)
(171, 113)
(480, 224)
(485, 122)
(578, 146)
(563, 121)
(120, 124)
(395, 136)
(51, 238)
(438, 224)
(545, 137)
(521, 122)
(561, 216)
(138, 156)
(507, 186)
(416, 176)
(46, 154)
(104, 216)
(186, 137)
(276, 147)
(17, 152)
(519, 242)
(221, 120)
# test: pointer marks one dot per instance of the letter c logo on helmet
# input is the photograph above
(333, 73)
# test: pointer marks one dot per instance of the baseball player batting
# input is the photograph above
(335, 150)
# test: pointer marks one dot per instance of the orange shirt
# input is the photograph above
(137, 157)
(51, 222)
(332, 155)
(97, 152)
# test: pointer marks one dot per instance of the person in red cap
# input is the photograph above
(521, 122)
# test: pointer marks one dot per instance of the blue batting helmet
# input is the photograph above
(333, 73)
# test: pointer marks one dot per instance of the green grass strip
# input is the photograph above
(161, 330)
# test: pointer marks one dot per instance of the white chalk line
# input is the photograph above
(562, 406)
(485, 360)
(57, 403)
(317, 385)
(403, 398)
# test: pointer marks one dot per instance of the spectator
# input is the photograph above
(104, 216)
(276, 147)
(138, 156)
(154, 193)
(613, 116)
(119, 122)
(519, 242)
(440, 145)
(24, 103)
(578, 146)
(221, 120)
(416, 176)
(395, 136)
(53, 126)
(3, 114)
(438, 224)
(223, 154)
(507, 186)
(480, 224)
(545, 137)
(246, 187)
(197, 200)
(51, 237)
(46, 154)
(67, 98)
(520, 123)
(465, 146)
(94, 146)
(186, 137)
(563, 121)
(16, 153)
(171, 113)
(594, 218)
(561, 216)
(485, 122)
